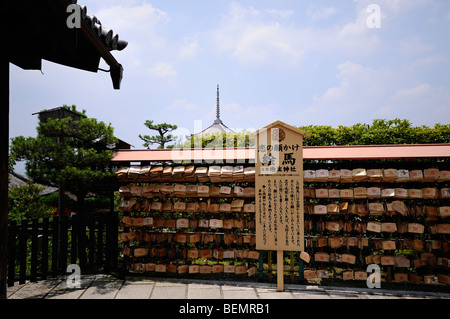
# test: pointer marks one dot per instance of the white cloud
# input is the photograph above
(354, 36)
(273, 42)
(413, 93)
(365, 93)
(359, 86)
(317, 13)
(423, 104)
(404, 5)
(184, 105)
(163, 70)
(260, 115)
(413, 46)
(189, 48)
(394, 7)
(430, 61)
(140, 25)
(283, 14)
(140, 18)
(255, 40)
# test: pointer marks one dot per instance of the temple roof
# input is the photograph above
(216, 127)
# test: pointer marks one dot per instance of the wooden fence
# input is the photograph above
(39, 248)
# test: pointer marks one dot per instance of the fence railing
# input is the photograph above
(39, 248)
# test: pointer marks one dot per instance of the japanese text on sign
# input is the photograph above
(279, 185)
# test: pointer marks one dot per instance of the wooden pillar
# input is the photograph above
(261, 265)
(280, 271)
(4, 156)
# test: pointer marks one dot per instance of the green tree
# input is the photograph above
(388, 132)
(161, 139)
(321, 135)
(80, 159)
(24, 201)
(240, 139)
(396, 131)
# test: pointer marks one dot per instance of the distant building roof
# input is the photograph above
(121, 145)
(17, 179)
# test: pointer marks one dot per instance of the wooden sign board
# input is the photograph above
(279, 187)
(279, 191)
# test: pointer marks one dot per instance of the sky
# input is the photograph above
(302, 62)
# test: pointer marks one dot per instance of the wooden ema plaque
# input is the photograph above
(279, 191)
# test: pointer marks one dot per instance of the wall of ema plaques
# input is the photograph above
(187, 219)
(200, 219)
(396, 218)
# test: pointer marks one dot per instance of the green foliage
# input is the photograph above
(80, 158)
(321, 135)
(25, 202)
(240, 139)
(381, 131)
(161, 139)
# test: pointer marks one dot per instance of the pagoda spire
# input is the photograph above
(218, 107)
(217, 126)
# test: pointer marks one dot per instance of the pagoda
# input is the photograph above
(217, 126)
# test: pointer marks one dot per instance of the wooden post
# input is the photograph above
(55, 239)
(45, 232)
(34, 249)
(100, 227)
(63, 242)
(4, 156)
(23, 238)
(292, 270)
(301, 270)
(74, 241)
(110, 252)
(91, 243)
(63, 220)
(12, 233)
(280, 271)
(269, 263)
(261, 265)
